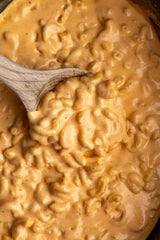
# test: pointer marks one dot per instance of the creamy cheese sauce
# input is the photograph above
(86, 166)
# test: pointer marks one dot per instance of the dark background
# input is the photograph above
(155, 235)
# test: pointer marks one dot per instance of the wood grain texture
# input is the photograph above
(31, 85)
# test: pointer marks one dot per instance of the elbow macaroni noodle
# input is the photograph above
(86, 165)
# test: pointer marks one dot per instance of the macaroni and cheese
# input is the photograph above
(86, 164)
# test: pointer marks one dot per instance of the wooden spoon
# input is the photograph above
(31, 85)
(4, 4)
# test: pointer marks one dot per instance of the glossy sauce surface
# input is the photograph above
(86, 166)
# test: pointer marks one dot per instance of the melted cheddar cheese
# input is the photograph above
(86, 164)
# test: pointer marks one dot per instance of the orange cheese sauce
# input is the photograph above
(86, 164)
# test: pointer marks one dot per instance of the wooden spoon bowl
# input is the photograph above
(31, 85)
